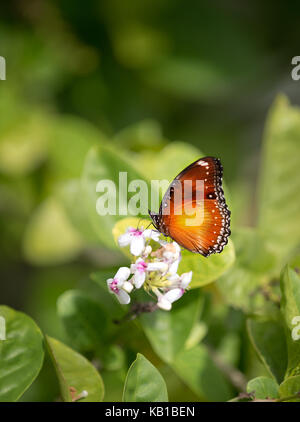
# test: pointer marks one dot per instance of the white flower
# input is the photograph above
(173, 268)
(165, 300)
(136, 238)
(175, 291)
(140, 268)
(155, 265)
(120, 286)
(185, 279)
(127, 286)
(181, 281)
(147, 251)
(169, 253)
(172, 256)
(151, 234)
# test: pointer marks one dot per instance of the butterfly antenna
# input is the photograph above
(139, 223)
(148, 225)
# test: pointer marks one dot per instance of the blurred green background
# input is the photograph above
(146, 79)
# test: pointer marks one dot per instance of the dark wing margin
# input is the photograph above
(225, 212)
(215, 239)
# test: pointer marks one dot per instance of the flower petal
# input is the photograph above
(139, 279)
(134, 267)
(137, 245)
(175, 279)
(122, 275)
(186, 278)
(124, 239)
(173, 268)
(157, 266)
(123, 297)
(173, 295)
(168, 255)
(164, 304)
(151, 234)
(147, 233)
(110, 280)
(147, 251)
(177, 247)
(127, 286)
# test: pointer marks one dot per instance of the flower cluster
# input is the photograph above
(154, 268)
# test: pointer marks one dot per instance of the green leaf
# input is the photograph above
(166, 164)
(290, 307)
(253, 254)
(172, 159)
(241, 289)
(169, 331)
(76, 372)
(141, 136)
(104, 163)
(279, 185)
(23, 147)
(263, 388)
(290, 301)
(114, 384)
(49, 237)
(195, 367)
(268, 339)
(196, 335)
(206, 270)
(242, 285)
(230, 345)
(69, 194)
(138, 45)
(46, 286)
(115, 359)
(189, 78)
(290, 387)
(71, 139)
(21, 354)
(144, 383)
(84, 320)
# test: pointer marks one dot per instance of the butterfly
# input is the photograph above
(196, 191)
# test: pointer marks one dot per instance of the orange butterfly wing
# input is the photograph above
(196, 216)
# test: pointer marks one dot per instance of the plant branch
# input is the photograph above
(235, 376)
(137, 309)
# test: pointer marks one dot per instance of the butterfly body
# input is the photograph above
(198, 191)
